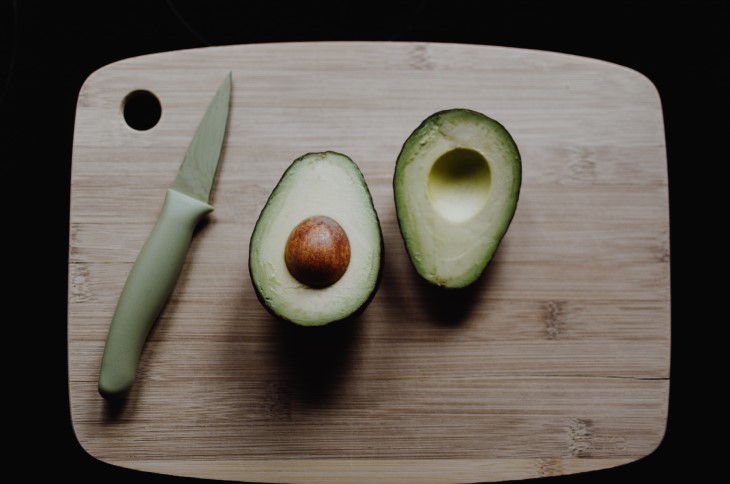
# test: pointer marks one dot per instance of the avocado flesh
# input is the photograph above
(318, 184)
(456, 184)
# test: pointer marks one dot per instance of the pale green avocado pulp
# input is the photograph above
(317, 185)
(456, 184)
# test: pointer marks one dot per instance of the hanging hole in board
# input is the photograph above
(142, 110)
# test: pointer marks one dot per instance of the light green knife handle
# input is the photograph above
(148, 287)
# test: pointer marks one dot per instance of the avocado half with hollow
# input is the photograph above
(316, 251)
(456, 184)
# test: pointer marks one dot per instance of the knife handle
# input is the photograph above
(148, 287)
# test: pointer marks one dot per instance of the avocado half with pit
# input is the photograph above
(316, 252)
(456, 184)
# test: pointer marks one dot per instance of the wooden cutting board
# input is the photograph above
(556, 362)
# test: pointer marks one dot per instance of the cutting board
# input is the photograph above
(555, 362)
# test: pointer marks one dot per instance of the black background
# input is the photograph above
(47, 49)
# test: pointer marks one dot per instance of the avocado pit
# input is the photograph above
(317, 252)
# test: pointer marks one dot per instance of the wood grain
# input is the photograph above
(556, 361)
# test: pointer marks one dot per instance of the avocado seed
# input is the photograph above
(318, 252)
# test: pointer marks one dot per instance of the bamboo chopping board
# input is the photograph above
(556, 361)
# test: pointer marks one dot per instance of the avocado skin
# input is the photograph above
(434, 119)
(355, 314)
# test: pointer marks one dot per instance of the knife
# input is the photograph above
(160, 261)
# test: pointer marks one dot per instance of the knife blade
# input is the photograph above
(159, 263)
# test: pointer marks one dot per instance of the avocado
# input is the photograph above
(316, 252)
(456, 185)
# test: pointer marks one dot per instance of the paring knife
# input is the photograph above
(155, 272)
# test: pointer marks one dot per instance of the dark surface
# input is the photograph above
(47, 49)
